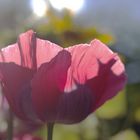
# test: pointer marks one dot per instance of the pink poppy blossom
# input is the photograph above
(43, 81)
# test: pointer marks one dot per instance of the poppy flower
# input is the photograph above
(45, 82)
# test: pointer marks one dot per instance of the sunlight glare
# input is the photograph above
(74, 6)
(39, 7)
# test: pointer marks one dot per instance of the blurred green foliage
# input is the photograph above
(115, 108)
(126, 135)
(62, 30)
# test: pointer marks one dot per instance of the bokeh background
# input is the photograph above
(116, 23)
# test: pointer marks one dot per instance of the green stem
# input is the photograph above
(10, 126)
(50, 131)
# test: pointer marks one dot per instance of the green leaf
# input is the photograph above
(126, 135)
(114, 108)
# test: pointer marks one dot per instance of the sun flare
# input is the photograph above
(74, 6)
(39, 7)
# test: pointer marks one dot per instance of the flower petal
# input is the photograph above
(29, 51)
(23, 58)
(14, 80)
(48, 84)
(97, 67)
(45, 51)
(78, 78)
(111, 74)
(75, 106)
(10, 54)
(21, 53)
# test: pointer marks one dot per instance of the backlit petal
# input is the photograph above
(45, 51)
(22, 52)
(10, 54)
(97, 67)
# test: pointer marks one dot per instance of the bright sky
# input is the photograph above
(74, 6)
(40, 6)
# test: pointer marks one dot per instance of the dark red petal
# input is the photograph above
(75, 106)
(114, 79)
(14, 80)
(48, 84)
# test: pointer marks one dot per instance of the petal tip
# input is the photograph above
(95, 41)
(28, 33)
